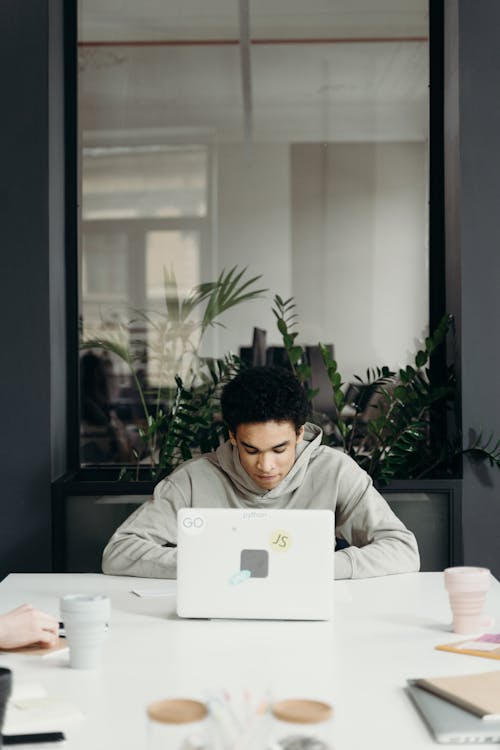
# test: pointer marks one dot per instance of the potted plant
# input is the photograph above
(384, 421)
(179, 410)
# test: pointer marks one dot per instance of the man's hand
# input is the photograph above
(26, 625)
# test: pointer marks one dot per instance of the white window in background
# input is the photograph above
(144, 209)
(138, 181)
(178, 253)
(104, 275)
(174, 254)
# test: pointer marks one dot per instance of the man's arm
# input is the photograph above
(380, 543)
(145, 544)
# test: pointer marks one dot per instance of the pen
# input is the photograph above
(27, 739)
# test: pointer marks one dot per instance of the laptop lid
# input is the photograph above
(449, 723)
(255, 563)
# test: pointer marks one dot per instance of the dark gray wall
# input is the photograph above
(31, 249)
(472, 124)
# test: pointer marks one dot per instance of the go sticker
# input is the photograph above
(280, 540)
(193, 523)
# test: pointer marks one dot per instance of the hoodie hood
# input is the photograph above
(227, 458)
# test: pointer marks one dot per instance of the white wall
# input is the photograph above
(342, 228)
(253, 199)
(359, 236)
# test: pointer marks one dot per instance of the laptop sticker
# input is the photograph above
(256, 561)
(240, 577)
(280, 541)
(193, 524)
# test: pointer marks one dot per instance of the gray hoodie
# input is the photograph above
(321, 477)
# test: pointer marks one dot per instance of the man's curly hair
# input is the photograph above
(261, 394)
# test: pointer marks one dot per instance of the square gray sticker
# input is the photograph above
(256, 561)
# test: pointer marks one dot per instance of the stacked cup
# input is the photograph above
(86, 619)
(467, 587)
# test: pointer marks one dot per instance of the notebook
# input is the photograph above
(478, 693)
(255, 563)
(450, 724)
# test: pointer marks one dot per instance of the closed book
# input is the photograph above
(478, 693)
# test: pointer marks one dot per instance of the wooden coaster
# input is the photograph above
(302, 711)
(36, 649)
(177, 711)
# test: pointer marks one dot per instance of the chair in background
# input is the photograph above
(255, 355)
(277, 356)
(323, 400)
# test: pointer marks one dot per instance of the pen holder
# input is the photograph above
(301, 724)
(179, 724)
(5, 690)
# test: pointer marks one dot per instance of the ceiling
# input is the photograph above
(319, 70)
(202, 19)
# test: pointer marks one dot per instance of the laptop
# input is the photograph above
(450, 724)
(255, 563)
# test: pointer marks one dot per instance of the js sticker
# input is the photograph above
(280, 540)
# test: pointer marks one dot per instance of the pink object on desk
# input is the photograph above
(467, 587)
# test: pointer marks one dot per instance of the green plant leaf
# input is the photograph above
(282, 327)
(421, 358)
(295, 353)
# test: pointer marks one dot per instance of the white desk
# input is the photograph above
(384, 631)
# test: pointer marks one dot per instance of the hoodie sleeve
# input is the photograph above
(380, 543)
(145, 544)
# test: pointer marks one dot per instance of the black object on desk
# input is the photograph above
(27, 739)
(5, 690)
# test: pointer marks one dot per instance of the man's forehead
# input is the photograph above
(265, 435)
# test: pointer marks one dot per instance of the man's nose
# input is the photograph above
(266, 462)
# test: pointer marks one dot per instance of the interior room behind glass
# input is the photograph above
(290, 138)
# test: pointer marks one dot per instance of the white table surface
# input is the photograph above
(384, 631)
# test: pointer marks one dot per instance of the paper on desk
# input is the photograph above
(487, 645)
(152, 592)
(30, 709)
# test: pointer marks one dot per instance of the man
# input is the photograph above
(274, 459)
(26, 625)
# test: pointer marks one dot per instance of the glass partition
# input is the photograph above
(287, 138)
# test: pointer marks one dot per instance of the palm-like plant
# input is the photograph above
(179, 412)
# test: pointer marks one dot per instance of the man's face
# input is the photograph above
(267, 450)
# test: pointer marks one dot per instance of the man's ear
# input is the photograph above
(300, 434)
(232, 438)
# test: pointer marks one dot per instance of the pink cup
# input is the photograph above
(467, 588)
